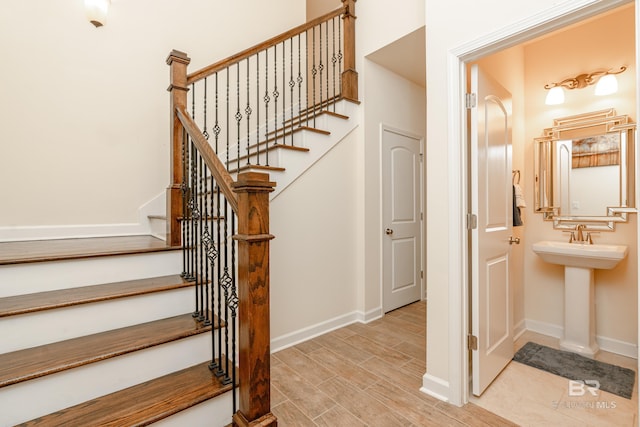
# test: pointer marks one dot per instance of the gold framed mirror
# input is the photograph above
(584, 171)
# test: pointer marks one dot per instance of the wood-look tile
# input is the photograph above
(415, 409)
(361, 404)
(397, 375)
(308, 346)
(343, 349)
(338, 417)
(304, 395)
(289, 415)
(387, 354)
(474, 415)
(415, 350)
(277, 397)
(415, 367)
(304, 366)
(401, 324)
(377, 334)
(357, 376)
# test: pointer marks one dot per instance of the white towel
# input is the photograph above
(519, 197)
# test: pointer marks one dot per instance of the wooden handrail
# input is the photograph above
(217, 168)
(220, 65)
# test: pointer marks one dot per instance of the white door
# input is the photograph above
(401, 218)
(492, 202)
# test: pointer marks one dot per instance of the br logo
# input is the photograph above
(579, 388)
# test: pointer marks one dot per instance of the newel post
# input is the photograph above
(349, 75)
(178, 88)
(253, 238)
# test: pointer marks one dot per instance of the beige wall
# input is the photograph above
(604, 43)
(85, 111)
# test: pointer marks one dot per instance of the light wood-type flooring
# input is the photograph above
(365, 375)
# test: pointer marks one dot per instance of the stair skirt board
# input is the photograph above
(28, 278)
(31, 399)
(35, 329)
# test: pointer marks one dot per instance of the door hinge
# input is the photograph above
(472, 221)
(470, 100)
(472, 342)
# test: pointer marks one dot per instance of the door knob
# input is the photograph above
(513, 240)
(388, 231)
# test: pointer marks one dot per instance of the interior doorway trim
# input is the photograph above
(554, 18)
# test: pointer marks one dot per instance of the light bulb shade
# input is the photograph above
(555, 96)
(607, 85)
(97, 11)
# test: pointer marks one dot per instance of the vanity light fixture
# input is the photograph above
(606, 84)
(97, 11)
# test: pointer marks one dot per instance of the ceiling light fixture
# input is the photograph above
(97, 11)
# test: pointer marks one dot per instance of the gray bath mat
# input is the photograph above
(612, 378)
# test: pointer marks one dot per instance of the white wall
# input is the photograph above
(456, 25)
(85, 112)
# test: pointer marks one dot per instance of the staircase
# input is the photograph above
(107, 331)
(100, 332)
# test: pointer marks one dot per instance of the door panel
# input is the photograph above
(491, 200)
(402, 225)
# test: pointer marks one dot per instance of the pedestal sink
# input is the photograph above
(579, 260)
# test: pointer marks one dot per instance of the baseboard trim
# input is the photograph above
(435, 387)
(607, 344)
(310, 332)
(519, 329)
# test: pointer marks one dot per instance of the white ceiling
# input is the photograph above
(405, 57)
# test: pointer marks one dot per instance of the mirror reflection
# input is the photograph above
(584, 169)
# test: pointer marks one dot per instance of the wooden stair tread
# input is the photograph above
(29, 303)
(65, 249)
(35, 362)
(141, 404)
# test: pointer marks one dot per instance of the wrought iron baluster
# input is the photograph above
(183, 223)
(340, 56)
(284, 93)
(300, 81)
(320, 67)
(276, 94)
(266, 99)
(292, 85)
(258, 107)
(334, 60)
(314, 72)
(200, 246)
(248, 112)
(326, 40)
(233, 306)
(238, 117)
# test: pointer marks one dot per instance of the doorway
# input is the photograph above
(545, 25)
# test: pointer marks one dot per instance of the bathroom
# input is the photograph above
(604, 42)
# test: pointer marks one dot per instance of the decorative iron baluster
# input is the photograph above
(334, 61)
(247, 112)
(200, 246)
(276, 94)
(266, 99)
(186, 237)
(292, 85)
(284, 93)
(232, 302)
(258, 108)
(300, 81)
(340, 56)
(326, 40)
(320, 67)
(314, 72)
(238, 117)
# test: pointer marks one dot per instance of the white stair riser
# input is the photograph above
(216, 412)
(44, 327)
(46, 276)
(32, 399)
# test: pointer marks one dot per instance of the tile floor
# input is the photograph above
(365, 375)
(370, 375)
(543, 398)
